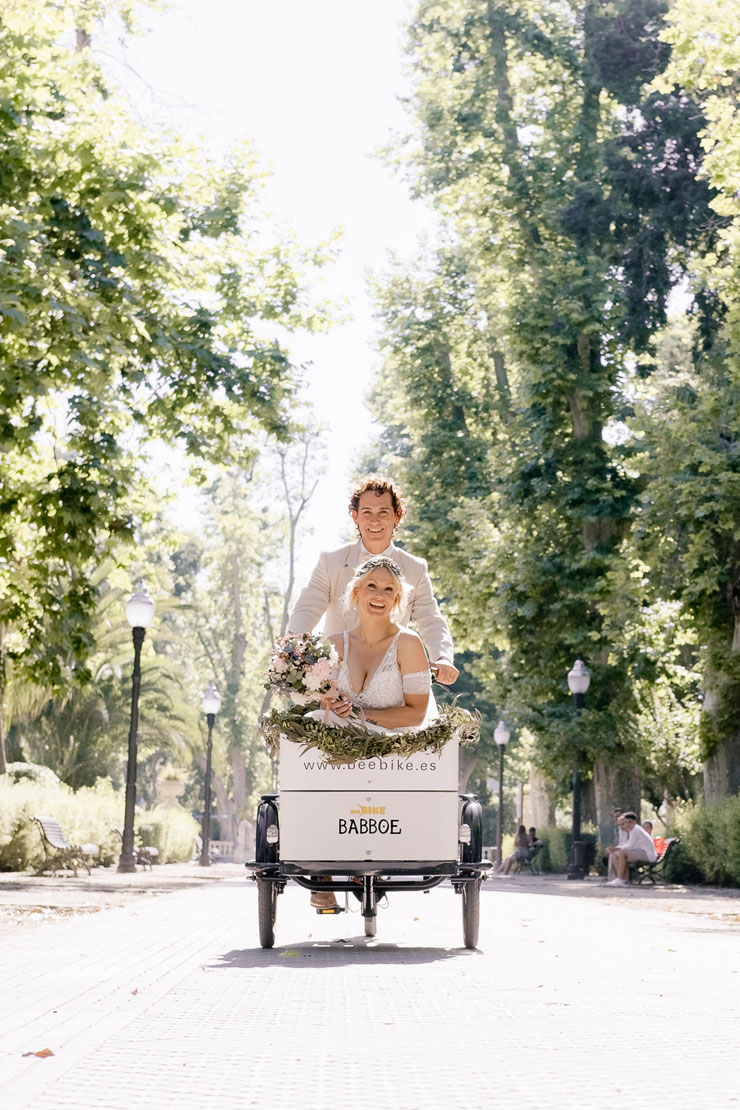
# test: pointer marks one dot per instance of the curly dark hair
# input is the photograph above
(376, 484)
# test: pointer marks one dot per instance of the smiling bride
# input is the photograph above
(384, 676)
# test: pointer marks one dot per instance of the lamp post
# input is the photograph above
(579, 679)
(501, 736)
(211, 705)
(139, 613)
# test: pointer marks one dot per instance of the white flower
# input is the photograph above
(312, 681)
(298, 699)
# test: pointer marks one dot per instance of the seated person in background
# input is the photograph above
(637, 845)
(621, 835)
(534, 841)
(658, 841)
(522, 846)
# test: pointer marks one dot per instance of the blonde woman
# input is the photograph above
(384, 677)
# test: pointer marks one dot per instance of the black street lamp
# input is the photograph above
(139, 613)
(579, 679)
(501, 736)
(211, 705)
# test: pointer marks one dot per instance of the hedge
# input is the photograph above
(171, 830)
(554, 854)
(709, 850)
(88, 815)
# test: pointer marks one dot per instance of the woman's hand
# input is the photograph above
(340, 705)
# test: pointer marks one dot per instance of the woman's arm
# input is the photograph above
(411, 659)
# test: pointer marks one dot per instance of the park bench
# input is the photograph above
(58, 852)
(521, 864)
(146, 856)
(642, 870)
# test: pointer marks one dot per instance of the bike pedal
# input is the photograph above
(332, 909)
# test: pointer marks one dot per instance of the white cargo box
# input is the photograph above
(352, 825)
(427, 770)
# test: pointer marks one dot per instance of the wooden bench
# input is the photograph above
(642, 870)
(520, 864)
(58, 852)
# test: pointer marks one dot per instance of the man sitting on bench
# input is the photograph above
(637, 845)
(535, 842)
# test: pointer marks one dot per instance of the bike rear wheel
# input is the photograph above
(471, 912)
(266, 911)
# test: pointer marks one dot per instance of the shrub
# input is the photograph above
(171, 830)
(36, 772)
(554, 854)
(710, 844)
(86, 816)
(680, 867)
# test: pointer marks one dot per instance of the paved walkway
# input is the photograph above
(575, 998)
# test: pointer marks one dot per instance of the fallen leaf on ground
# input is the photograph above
(44, 1052)
(290, 952)
(135, 990)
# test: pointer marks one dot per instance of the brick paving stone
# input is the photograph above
(576, 1002)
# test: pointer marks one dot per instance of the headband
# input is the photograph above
(378, 562)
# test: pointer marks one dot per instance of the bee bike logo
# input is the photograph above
(369, 821)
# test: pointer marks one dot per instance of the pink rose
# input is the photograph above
(322, 669)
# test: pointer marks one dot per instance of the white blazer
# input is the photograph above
(330, 579)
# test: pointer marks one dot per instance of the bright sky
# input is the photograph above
(315, 85)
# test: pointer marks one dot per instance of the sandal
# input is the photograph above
(323, 900)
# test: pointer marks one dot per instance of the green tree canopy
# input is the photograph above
(143, 295)
(574, 201)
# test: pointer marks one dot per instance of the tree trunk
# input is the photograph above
(722, 768)
(3, 680)
(722, 772)
(614, 785)
(224, 803)
(294, 515)
(239, 772)
(524, 210)
(466, 766)
(540, 800)
(588, 803)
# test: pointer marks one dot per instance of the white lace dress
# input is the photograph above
(384, 689)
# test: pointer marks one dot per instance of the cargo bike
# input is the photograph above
(376, 826)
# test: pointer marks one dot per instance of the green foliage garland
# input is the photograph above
(351, 742)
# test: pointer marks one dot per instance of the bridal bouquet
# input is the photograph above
(303, 668)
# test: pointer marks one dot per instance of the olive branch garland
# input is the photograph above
(350, 742)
